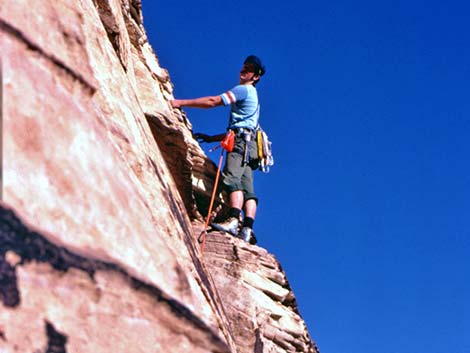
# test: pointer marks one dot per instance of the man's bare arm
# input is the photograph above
(202, 102)
(209, 138)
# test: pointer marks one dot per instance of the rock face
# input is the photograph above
(103, 192)
(57, 300)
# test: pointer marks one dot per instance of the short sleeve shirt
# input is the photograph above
(244, 106)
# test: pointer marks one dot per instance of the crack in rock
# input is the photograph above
(56, 341)
(16, 33)
(30, 246)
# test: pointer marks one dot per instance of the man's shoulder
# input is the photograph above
(240, 92)
(239, 88)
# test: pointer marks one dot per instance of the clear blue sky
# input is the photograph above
(368, 107)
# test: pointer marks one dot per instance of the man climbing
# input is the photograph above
(238, 170)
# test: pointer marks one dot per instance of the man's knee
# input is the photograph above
(250, 196)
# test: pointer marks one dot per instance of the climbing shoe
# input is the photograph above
(247, 235)
(229, 226)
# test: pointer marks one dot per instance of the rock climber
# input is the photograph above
(238, 169)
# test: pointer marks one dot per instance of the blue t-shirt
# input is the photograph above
(244, 106)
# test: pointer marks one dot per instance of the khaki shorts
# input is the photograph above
(237, 174)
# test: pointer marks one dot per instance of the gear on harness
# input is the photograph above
(229, 141)
(246, 151)
(265, 153)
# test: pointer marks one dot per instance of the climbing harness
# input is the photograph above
(227, 145)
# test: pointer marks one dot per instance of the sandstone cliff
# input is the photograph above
(103, 192)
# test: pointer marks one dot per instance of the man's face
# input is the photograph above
(247, 74)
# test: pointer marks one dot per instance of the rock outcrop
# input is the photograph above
(104, 189)
(256, 296)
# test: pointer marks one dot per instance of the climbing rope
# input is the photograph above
(227, 145)
(202, 236)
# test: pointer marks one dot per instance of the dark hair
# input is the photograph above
(260, 69)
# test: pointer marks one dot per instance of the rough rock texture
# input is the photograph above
(53, 297)
(257, 298)
(101, 181)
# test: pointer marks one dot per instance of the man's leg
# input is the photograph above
(232, 174)
(238, 178)
(236, 199)
(251, 202)
(250, 208)
(230, 225)
(233, 171)
(246, 232)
